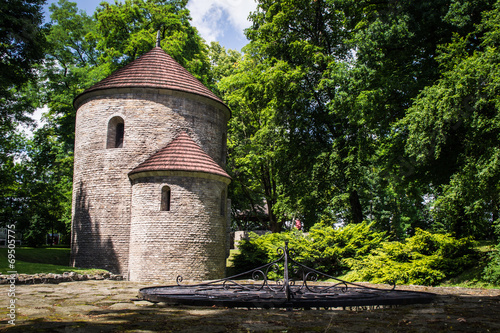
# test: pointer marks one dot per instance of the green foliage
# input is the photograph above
(252, 254)
(41, 202)
(35, 231)
(126, 30)
(454, 129)
(325, 248)
(330, 248)
(253, 136)
(257, 250)
(22, 47)
(491, 272)
(47, 195)
(362, 254)
(291, 59)
(424, 259)
(369, 136)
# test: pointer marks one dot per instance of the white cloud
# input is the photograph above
(211, 17)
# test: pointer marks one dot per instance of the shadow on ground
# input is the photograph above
(106, 306)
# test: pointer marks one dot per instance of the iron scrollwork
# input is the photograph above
(299, 289)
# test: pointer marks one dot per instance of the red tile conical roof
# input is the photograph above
(155, 69)
(181, 154)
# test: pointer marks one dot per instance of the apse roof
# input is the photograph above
(181, 154)
(155, 69)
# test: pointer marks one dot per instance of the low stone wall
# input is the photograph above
(51, 278)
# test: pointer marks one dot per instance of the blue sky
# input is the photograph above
(216, 20)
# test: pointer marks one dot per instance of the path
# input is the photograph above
(108, 306)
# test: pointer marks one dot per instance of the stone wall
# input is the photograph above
(188, 240)
(102, 191)
(53, 278)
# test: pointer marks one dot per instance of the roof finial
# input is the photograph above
(158, 39)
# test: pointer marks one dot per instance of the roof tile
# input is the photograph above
(155, 69)
(181, 154)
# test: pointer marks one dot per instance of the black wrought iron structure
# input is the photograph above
(298, 288)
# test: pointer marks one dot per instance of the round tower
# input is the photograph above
(149, 184)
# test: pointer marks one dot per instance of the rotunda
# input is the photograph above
(149, 188)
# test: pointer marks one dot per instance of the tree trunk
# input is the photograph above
(356, 210)
(270, 195)
(274, 225)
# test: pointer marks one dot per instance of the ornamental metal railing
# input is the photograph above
(297, 287)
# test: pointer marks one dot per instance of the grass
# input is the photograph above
(31, 260)
(230, 271)
(472, 278)
(232, 254)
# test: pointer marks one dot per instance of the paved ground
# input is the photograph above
(108, 306)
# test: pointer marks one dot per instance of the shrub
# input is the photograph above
(491, 272)
(425, 259)
(325, 248)
(257, 250)
(329, 248)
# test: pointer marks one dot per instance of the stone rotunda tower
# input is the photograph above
(149, 187)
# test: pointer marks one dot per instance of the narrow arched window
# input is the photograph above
(120, 131)
(116, 133)
(165, 199)
(223, 203)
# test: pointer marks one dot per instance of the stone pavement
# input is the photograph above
(111, 306)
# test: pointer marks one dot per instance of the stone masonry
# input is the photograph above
(117, 221)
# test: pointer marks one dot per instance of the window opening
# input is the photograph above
(120, 127)
(165, 199)
(116, 133)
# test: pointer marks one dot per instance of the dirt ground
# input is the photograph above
(111, 306)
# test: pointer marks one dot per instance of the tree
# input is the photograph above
(82, 50)
(127, 30)
(297, 42)
(70, 65)
(49, 190)
(22, 46)
(12, 200)
(341, 75)
(454, 128)
(252, 138)
(22, 43)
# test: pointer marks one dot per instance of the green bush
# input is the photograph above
(491, 272)
(325, 248)
(366, 255)
(257, 250)
(424, 259)
(329, 248)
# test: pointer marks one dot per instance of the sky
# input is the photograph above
(216, 20)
